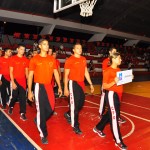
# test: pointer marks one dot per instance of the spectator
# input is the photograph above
(92, 68)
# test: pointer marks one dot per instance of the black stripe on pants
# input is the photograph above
(77, 98)
(5, 90)
(43, 107)
(111, 116)
(20, 94)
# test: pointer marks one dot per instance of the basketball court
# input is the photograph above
(135, 109)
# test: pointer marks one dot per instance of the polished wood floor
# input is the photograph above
(135, 88)
(135, 109)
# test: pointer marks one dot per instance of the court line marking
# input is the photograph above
(123, 112)
(132, 129)
(25, 135)
(68, 107)
(125, 136)
(136, 105)
(129, 104)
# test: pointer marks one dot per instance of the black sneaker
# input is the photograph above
(120, 120)
(10, 111)
(44, 140)
(67, 116)
(23, 117)
(4, 107)
(77, 130)
(99, 132)
(121, 145)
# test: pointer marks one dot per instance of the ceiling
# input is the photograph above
(130, 16)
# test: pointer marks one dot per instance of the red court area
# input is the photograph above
(136, 131)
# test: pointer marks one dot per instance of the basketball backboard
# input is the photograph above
(60, 5)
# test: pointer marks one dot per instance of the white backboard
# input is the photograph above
(60, 5)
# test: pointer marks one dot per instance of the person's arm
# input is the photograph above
(26, 72)
(109, 85)
(14, 86)
(66, 74)
(57, 78)
(87, 76)
(59, 71)
(30, 80)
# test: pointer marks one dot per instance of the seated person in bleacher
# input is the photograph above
(92, 68)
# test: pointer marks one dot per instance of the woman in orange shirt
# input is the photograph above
(113, 95)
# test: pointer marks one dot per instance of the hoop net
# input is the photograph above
(87, 8)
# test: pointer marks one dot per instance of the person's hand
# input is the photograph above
(59, 92)
(116, 80)
(66, 92)
(14, 86)
(0, 82)
(92, 88)
(30, 96)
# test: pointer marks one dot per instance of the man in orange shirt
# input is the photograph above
(113, 94)
(75, 71)
(5, 77)
(42, 66)
(18, 75)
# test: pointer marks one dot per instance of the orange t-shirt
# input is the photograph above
(77, 68)
(43, 68)
(105, 64)
(4, 67)
(108, 76)
(19, 64)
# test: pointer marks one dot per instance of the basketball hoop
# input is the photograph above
(87, 8)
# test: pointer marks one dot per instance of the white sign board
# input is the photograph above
(124, 77)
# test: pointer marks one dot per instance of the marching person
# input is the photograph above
(105, 65)
(113, 95)
(75, 71)
(42, 66)
(18, 75)
(5, 77)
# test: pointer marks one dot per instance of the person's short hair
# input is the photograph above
(76, 44)
(30, 52)
(21, 45)
(41, 40)
(6, 49)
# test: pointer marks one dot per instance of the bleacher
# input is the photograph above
(97, 56)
